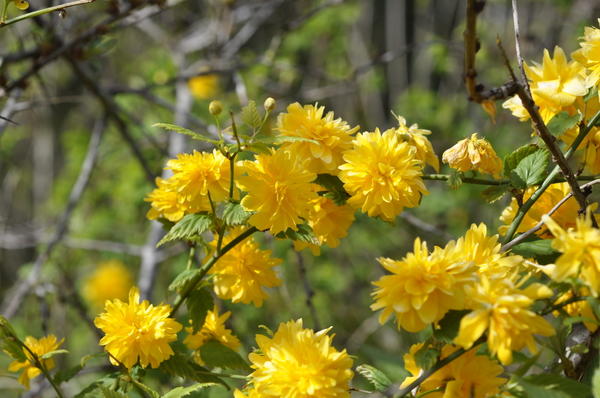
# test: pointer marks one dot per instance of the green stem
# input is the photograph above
(34, 14)
(40, 366)
(468, 180)
(191, 254)
(563, 304)
(208, 265)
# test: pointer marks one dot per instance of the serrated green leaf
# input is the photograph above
(282, 139)
(183, 278)
(448, 326)
(596, 384)
(182, 130)
(426, 357)
(455, 179)
(50, 354)
(512, 159)
(259, 147)
(148, 390)
(95, 386)
(541, 248)
(304, 233)
(188, 228)
(199, 302)
(180, 392)
(250, 115)
(553, 381)
(375, 376)
(335, 188)
(108, 393)
(562, 122)
(182, 366)
(215, 354)
(530, 170)
(535, 391)
(234, 214)
(494, 193)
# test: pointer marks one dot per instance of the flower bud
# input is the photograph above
(215, 107)
(269, 104)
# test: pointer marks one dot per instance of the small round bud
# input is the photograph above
(215, 107)
(269, 104)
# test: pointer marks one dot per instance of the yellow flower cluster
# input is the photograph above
(39, 347)
(299, 363)
(213, 329)
(111, 280)
(473, 153)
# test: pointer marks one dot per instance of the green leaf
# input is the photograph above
(182, 366)
(234, 214)
(185, 277)
(534, 391)
(553, 381)
(14, 348)
(562, 122)
(106, 381)
(596, 383)
(426, 357)
(282, 139)
(304, 233)
(335, 188)
(179, 392)
(66, 374)
(494, 193)
(188, 228)
(530, 170)
(250, 115)
(108, 393)
(375, 376)
(540, 249)
(512, 159)
(199, 302)
(148, 390)
(592, 93)
(448, 326)
(183, 130)
(215, 354)
(455, 179)
(50, 354)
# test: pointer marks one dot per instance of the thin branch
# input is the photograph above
(45, 11)
(308, 290)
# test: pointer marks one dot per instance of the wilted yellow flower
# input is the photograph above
(299, 363)
(503, 310)
(331, 136)
(589, 53)
(204, 86)
(328, 221)
(473, 154)
(213, 329)
(423, 286)
(198, 174)
(39, 348)
(279, 190)
(243, 272)
(110, 280)
(581, 308)
(382, 174)
(470, 375)
(166, 203)
(137, 330)
(554, 85)
(565, 216)
(417, 138)
(580, 248)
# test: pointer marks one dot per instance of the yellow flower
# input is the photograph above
(473, 154)
(110, 280)
(204, 86)
(213, 329)
(328, 221)
(580, 248)
(243, 272)
(554, 85)
(137, 330)
(165, 202)
(199, 174)
(250, 393)
(382, 174)
(21, 4)
(417, 138)
(279, 190)
(503, 310)
(579, 308)
(299, 363)
(589, 149)
(470, 375)
(331, 136)
(39, 348)
(589, 53)
(423, 286)
(565, 216)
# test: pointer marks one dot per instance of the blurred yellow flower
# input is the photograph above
(423, 286)
(299, 363)
(279, 190)
(470, 375)
(589, 53)
(39, 348)
(137, 331)
(243, 272)
(580, 248)
(110, 280)
(503, 310)
(581, 308)
(417, 138)
(382, 174)
(473, 154)
(213, 329)
(204, 86)
(166, 203)
(331, 136)
(21, 4)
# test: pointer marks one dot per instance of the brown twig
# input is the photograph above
(308, 290)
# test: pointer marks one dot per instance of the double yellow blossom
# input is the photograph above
(473, 153)
(417, 138)
(213, 329)
(589, 53)
(29, 367)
